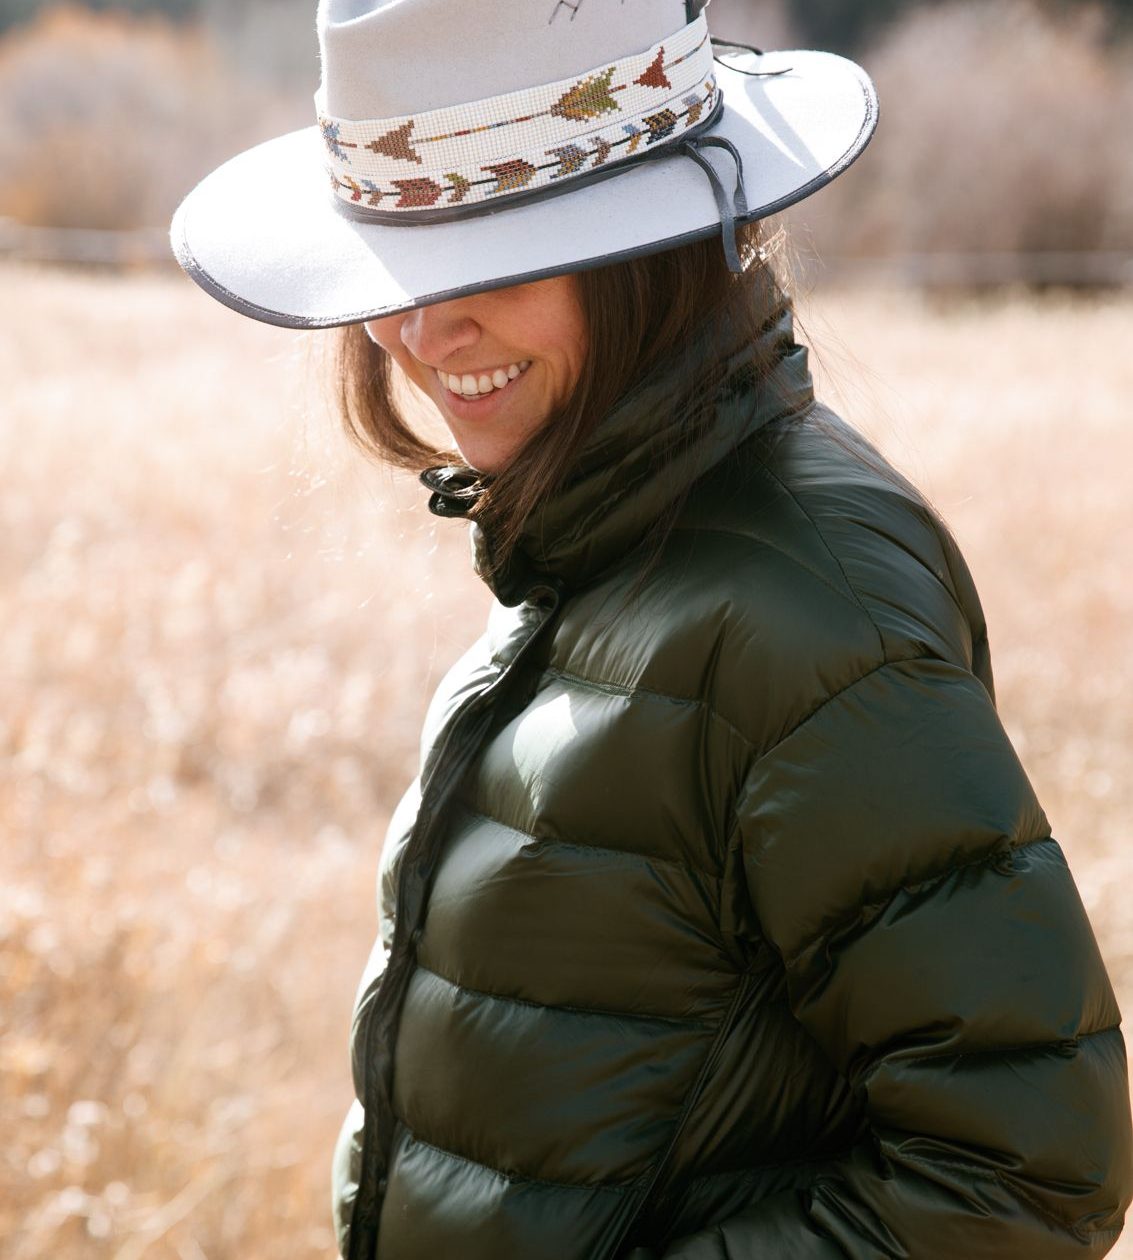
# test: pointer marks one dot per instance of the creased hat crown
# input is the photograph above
(387, 58)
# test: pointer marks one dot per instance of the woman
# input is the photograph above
(722, 920)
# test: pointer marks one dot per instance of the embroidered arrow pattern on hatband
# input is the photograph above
(395, 144)
(661, 125)
(459, 186)
(548, 134)
(416, 193)
(512, 176)
(516, 174)
(583, 101)
(654, 76)
(572, 159)
(331, 137)
(588, 99)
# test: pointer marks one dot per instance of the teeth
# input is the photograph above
(472, 386)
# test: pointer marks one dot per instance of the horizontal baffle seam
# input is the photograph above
(987, 858)
(514, 1178)
(645, 693)
(1054, 1045)
(698, 702)
(752, 1172)
(895, 662)
(673, 1021)
(583, 846)
(1012, 1187)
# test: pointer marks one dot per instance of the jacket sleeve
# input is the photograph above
(936, 949)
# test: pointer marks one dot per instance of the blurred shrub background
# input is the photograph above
(107, 118)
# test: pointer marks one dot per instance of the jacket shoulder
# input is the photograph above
(810, 562)
(897, 556)
(816, 491)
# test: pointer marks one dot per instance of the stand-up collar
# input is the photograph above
(635, 465)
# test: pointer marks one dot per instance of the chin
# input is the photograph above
(486, 452)
(488, 461)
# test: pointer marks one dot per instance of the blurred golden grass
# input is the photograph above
(220, 630)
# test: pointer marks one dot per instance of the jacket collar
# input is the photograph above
(635, 465)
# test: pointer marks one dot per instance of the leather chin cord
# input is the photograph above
(729, 206)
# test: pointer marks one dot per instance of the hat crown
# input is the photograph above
(389, 58)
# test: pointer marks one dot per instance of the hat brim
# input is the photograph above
(263, 234)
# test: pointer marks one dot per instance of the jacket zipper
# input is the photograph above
(692, 1098)
(371, 1186)
(469, 727)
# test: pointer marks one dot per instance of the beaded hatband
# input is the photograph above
(489, 150)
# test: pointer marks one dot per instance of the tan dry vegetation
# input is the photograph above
(219, 634)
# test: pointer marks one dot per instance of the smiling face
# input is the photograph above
(497, 366)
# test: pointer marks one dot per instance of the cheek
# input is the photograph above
(565, 338)
(576, 357)
(579, 339)
(386, 333)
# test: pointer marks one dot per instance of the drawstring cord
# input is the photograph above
(750, 48)
(734, 206)
(729, 206)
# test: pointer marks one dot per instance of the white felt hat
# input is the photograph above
(463, 145)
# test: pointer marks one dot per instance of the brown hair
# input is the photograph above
(640, 314)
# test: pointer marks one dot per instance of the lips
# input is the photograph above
(477, 384)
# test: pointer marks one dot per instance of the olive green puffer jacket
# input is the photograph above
(723, 921)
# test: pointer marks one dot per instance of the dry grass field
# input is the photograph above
(219, 632)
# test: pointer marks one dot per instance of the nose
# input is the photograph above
(434, 333)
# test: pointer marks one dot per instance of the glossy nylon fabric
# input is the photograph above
(723, 921)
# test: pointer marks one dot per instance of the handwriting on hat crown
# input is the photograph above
(572, 6)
